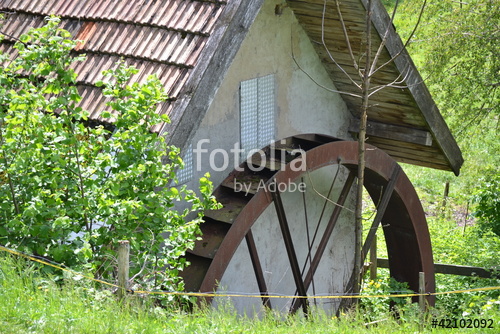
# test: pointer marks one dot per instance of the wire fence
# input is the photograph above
(235, 295)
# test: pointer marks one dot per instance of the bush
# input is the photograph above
(71, 189)
(488, 204)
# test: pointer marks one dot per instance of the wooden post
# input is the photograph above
(421, 291)
(446, 194)
(466, 216)
(373, 259)
(123, 267)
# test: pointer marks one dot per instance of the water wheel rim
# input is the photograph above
(408, 239)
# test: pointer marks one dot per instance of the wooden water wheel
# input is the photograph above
(287, 226)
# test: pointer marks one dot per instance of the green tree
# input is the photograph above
(457, 49)
(70, 189)
(488, 208)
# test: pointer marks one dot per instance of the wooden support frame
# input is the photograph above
(393, 132)
(452, 269)
(259, 274)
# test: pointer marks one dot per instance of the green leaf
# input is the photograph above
(24, 38)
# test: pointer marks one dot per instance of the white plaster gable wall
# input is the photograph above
(301, 105)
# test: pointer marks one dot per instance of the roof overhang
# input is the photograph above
(403, 119)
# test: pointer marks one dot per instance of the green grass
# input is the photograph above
(32, 303)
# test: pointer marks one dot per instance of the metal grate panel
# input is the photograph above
(186, 174)
(257, 113)
(266, 113)
(248, 116)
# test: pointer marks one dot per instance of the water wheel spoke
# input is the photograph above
(259, 274)
(382, 206)
(309, 241)
(327, 233)
(290, 249)
(325, 204)
(384, 201)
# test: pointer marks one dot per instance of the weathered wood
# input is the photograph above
(430, 161)
(417, 87)
(257, 267)
(123, 267)
(290, 250)
(398, 156)
(421, 291)
(213, 235)
(465, 271)
(314, 6)
(394, 132)
(373, 259)
(452, 269)
(405, 149)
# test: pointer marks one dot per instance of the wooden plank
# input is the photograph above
(452, 269)
(389, 114)
(393, 132)
(410, 151)
(231, 208)
(421, 163)
(465, 271)
(410, 148)
(123, 267)
(213, 234)
(418, 155)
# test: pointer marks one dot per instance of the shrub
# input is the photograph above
(70, 188)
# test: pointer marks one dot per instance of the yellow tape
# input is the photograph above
(32, 258)
(211, 295)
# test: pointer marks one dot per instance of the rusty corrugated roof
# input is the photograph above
(162, 37)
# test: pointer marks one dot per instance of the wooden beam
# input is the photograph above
(257, 267)
(393, 132)
(452, 269)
